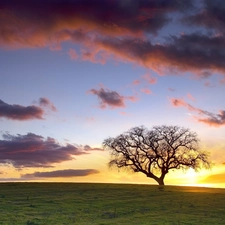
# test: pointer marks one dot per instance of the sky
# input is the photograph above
(75, 72)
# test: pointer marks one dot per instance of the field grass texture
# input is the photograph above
(104, 204)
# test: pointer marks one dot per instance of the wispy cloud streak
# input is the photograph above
(210, 119)
(61, 173)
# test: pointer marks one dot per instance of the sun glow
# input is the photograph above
(191, 177)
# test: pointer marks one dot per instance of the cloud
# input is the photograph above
(136, 82)
(222, 81)
(172, 89)
(146, 91)
(211, 16)
(121, 31)
(150, 79)
(111, 99)
(89, 148)
(123, 113)
(213, 119)
(179, 102)
(73, 54)
(33, 150)
(18, 112)
(188, 52)
(60, 173)
(44, 102)
(209, 118)
(190, 96)
(44, 22)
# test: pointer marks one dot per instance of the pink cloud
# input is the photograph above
(222, 81)
(136, 82)
(73, 54)
(150, 79)
(179, 102)
(190, 96)
(146, 91)
(208, 84)
(123, 113)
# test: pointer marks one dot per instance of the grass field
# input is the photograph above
(76, 203)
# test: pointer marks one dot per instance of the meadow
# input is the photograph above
(104, 204)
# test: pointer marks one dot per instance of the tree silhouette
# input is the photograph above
(154, 152)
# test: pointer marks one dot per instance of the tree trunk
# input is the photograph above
(160, 181)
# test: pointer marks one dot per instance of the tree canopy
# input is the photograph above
(156, 151)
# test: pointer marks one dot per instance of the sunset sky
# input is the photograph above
(75, 72)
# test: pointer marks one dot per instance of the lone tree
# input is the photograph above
(154, 152)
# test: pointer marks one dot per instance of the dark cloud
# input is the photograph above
(121, 30)
(49, 18)
(204, 116)
(33, 150)
(112, 99)
(18, 112)
(191, 52)
(212, 15)
(60, 173)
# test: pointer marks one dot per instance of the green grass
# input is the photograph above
(104, 204)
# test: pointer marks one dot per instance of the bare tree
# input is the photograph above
(154, 152)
